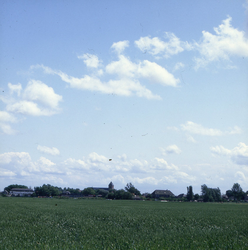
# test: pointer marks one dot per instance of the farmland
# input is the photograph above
(32, 223)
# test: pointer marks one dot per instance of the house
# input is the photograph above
(182, 196)
(110, 187)
(21, 192)
(246, 198)
(162, 193)
(96, 188)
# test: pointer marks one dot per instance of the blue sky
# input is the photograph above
(159, 87)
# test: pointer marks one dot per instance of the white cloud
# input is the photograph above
(6, 173)
(190, 139)
(36, 99)
(47, 150)
(90, 60)
(178, 66)
(195, 128)
(119, 47)
(240, 176)
(156, 46)
(123, 67)
(161, 164)
(220, 150)
(47, 166)
(156, 73)
(96, 158)
(38, 91)
(239, 154)
(6, 118)
(227, 41)
(29, 108)
(173, 149)
(15, 88)
(123, 86)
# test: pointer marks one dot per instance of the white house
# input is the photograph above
(21, 191)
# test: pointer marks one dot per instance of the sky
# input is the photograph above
(149, 92)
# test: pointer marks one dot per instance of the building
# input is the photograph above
(110, 187)
(162, 193)
(21, 192)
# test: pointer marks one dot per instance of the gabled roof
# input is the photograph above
(22, 189)
(163, 192)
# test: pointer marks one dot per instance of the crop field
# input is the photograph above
(33, 223)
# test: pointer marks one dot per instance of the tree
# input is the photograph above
(196, 196)
(14, 186)
(131, 189)
(229, 193)
(88, 191)
(190, 194)
(47, 190)
(111, 185)
(210, 194)
(237, 191)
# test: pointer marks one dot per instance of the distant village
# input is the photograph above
(128, 193)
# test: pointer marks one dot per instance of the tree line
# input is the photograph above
(129, 191)
(214, 194)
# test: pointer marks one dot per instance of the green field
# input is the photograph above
(33, 223)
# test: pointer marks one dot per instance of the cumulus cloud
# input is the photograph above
(195, 128)
(156, 46)
(124, 75)
(15, 88)
(124, 68)
(178, 66)
(6, 118)
(122, 87)
(157, 74)
(119, 47)
(122, 170)
(90, 60)
(238, 155)
(40, 92)
(227, 41)
(47, 150)
(173, 149)
(37, 99)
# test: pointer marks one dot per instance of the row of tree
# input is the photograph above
(214, 194)
(49, 190)
(207, 194)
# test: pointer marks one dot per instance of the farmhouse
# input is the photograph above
(21, 192)
(110, 187)
(162, 193)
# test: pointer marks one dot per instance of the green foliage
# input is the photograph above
(111, 185)
(237, 191)
(190, 194)
(123, 195)
(101, 224)
(88, 191)
(196, 196)
(131, 189)
(210, 194)
(14, 186)
(73, 191)
(102, 192)
(229, 193)
(47, 190)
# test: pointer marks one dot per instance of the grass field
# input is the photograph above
(32, 223)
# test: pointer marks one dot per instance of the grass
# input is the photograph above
(32, 223)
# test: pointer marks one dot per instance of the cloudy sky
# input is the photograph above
(159, 87)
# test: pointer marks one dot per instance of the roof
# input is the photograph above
(95, 188)
(22, 189)
(163, 192)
